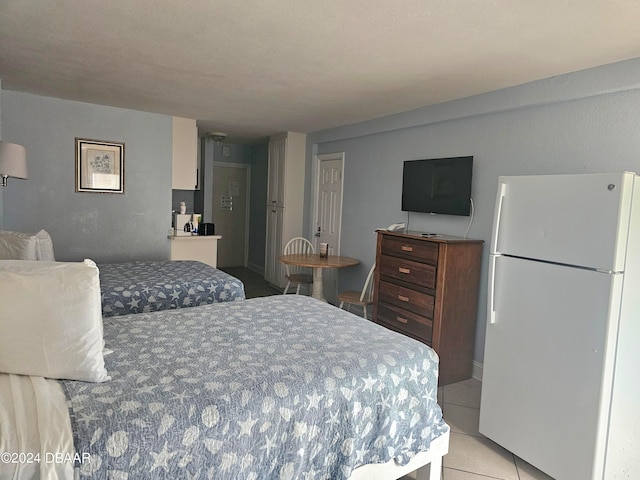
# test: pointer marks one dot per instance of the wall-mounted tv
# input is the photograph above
(439, 185)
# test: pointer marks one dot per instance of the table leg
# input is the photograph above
(317, 285)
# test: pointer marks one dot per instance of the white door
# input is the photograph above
(545, 364)
(230, 212)
(571, 219)
(329, 214)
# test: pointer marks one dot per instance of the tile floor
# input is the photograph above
(254, 283)
(471, 455)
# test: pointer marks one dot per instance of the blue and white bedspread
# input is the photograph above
(282, 387)
(135, 287)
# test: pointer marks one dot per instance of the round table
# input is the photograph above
(318, 263)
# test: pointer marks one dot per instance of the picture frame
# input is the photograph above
(99, 166)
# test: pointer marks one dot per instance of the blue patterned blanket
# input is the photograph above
(135, 287)
(283, 387)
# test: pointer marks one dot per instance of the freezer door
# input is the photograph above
(571, 219)
(547, 367)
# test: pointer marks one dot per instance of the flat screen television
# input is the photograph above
(439, 185)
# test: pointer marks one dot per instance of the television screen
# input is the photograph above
(439, 185)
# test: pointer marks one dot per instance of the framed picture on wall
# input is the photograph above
(99, 166)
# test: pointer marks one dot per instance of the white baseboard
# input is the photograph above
(477, 370)
(256, 268)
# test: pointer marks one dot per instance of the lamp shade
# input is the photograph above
(13, 160)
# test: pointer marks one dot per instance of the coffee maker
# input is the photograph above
(182, 224)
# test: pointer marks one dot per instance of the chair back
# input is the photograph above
(297, 245)
(367, 289)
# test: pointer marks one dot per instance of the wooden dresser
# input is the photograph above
(427, 288)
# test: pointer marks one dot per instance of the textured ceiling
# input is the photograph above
(252, 68)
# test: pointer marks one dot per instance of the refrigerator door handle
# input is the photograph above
(491, 289)
(497, 217)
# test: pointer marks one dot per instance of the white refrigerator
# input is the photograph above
(561, 374)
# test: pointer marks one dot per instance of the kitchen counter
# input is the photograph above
(203, 248)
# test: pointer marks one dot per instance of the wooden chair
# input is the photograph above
(298, 275)
(363, 298)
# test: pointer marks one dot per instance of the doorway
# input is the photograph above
(329, 213)
(231, 212)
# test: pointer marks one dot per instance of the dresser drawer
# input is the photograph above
(408, 271)
(406, 298)
(411, 249)
(405, 321)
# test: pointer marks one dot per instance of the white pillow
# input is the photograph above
(44, 247)
(18, 246)
(26, 246)
(51, 320)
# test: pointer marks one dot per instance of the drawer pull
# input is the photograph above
(404, 270)
(403, 298)
(402, 320)
(407, 248)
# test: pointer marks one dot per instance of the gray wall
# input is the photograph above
(186, 196)
(578, 123)
(103, 227)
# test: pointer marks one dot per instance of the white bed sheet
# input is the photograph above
(36, 441)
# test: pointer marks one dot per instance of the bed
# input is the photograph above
(280, 387)
(146, 286)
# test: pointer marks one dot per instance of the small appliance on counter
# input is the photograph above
(182, 224)
(196, 218)
(206, 229)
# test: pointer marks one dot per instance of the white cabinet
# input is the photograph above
(184, 172)
(274, 270)
(285, 199)
(203, 248)
(275, 188)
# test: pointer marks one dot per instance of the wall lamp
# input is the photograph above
(13, 161)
